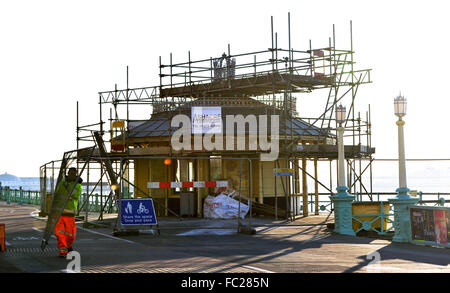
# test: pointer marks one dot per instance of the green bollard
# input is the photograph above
(21, 195)
(8, 194)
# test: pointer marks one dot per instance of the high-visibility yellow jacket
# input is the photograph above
(62, 191)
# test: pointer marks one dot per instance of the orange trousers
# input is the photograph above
(65, 231)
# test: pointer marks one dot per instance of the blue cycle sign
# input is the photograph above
(137, 212)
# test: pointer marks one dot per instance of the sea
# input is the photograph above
(27, 183)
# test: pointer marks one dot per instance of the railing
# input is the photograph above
(425, 198)
(325, 205)
(368, 224)
(34, 198)
(96, 201)
(385, 218)
(436, 198)
(19, 195)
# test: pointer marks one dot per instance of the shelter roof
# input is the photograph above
(159, 124)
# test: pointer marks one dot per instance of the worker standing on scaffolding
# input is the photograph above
(65, 229)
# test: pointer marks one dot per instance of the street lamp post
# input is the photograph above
(402, 227)
(342, 200)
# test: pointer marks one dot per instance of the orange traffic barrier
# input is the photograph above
(2, 237)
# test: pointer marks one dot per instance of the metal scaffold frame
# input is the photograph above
(270, 77)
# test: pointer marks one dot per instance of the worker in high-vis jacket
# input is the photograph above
(65, 229)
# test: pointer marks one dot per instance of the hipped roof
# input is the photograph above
(159, 124)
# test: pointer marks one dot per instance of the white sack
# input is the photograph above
(223, 207)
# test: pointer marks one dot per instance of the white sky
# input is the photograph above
(54, 53)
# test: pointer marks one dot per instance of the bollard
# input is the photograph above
(20, 195)
(8, 201)
(2, 237)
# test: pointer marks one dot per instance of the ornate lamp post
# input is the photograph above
(402, 225)
(342, 200)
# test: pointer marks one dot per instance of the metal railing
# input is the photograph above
(95, 203)
(34, 198)
(20, 196)
(425, 198)
(378, 222)
(367, 221)
(370, 223)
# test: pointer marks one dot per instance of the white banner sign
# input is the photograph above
(206, 119)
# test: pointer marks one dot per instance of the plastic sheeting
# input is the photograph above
(223, 207)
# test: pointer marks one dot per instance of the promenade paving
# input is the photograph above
(207, 246)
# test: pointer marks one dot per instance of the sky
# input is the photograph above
(55, 53)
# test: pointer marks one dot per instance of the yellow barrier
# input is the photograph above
(372, 208)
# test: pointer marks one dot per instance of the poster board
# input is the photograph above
(206, 120)
(430, 225)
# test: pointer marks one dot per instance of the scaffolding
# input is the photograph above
(266, 81)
